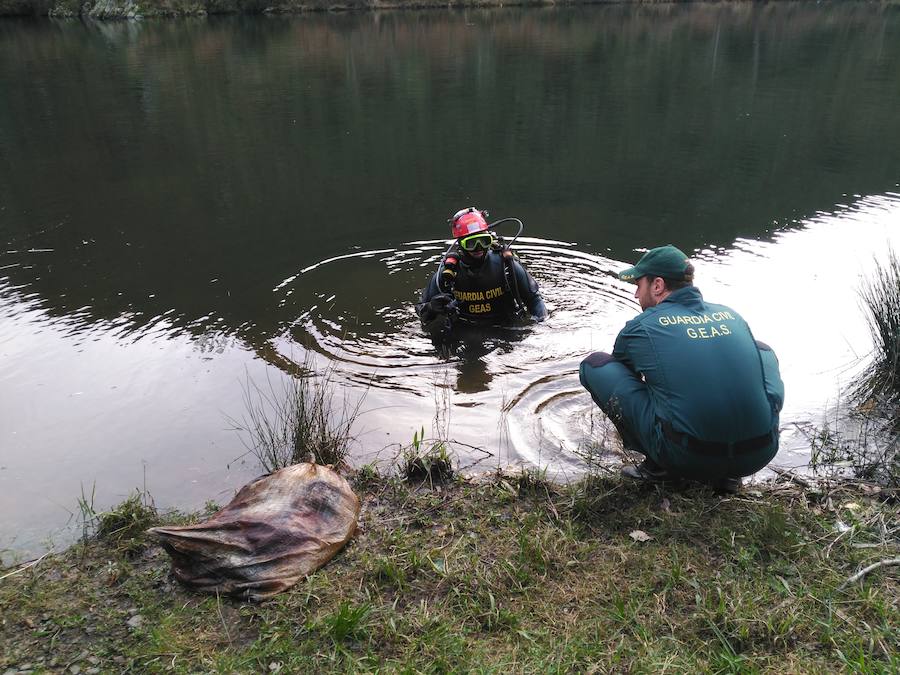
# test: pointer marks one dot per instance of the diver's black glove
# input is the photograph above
(439, 314)
(438, 304)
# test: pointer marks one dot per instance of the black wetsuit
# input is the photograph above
(485, 294)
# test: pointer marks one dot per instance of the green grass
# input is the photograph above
(512, 574)
(122, 526)
(425, 461)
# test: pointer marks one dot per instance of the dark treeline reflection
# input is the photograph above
(189, 166)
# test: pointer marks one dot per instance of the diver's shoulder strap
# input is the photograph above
(512, 280)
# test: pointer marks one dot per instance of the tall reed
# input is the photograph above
(879, 384)
(875, 455)
(298, 420)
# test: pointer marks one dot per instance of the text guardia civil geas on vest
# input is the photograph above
(476, 299)
(700, 320)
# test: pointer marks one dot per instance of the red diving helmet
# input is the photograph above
(468, 221)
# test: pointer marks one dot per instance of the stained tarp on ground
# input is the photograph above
(276, 530)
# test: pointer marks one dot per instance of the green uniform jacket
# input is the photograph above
(705, 373)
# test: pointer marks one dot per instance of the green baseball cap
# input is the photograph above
(664, 261)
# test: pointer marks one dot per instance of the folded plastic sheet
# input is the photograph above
(276, 530)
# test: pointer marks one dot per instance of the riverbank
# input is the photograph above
(135, 9)
(510, 573)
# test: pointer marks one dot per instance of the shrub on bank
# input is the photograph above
(880, 382)
(876, 456)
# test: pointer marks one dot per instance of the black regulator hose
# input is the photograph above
(508, 258)
(509, 220)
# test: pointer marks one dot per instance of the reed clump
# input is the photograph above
(426, 460)
(879, 385)
(123, 526)
(874, 454)
(297, 420)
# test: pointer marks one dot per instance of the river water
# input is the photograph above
(189, 208)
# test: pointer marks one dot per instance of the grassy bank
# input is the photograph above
(510, 574)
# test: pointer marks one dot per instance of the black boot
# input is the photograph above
(648, 470)
(726, 486)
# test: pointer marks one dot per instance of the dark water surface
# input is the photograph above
(188, 205)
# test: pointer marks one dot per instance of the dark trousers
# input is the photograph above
(625, 399)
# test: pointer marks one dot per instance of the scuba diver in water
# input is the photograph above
(480, 281)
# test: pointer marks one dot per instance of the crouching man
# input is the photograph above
(687, 386)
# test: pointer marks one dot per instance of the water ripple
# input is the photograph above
(374, 326)
(519, 383)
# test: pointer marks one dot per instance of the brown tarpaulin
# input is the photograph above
(276, 530)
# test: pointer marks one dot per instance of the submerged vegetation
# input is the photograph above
(512, 573)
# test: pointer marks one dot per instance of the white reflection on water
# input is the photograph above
(100, 411)
(800, 293)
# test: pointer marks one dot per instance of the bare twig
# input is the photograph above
(26, 566)
(865, 570)
(791, 476)
(222, 618)
(836, 540)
